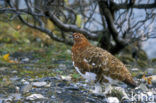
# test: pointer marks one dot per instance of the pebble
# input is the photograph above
(39, 84)
(26, 88)
(24, 82)
(14, 79)
(142, 87)
(10, 98)
(113, 100)
(68, 51)
(62, 66)
(35, 97)
(53, 97)
(14, 71)
(25, 60)
(67, 78)
(134, 69)
(3, 68)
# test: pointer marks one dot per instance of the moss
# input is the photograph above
(127, 50)
(127, 59)
(153, 60)
(142, 64)
(142, 55)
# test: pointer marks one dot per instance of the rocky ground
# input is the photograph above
(39, 70)
(28, 81)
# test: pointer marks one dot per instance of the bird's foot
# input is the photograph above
(108, 89)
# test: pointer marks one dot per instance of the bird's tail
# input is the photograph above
(130, 82)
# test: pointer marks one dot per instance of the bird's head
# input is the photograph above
(80, 39)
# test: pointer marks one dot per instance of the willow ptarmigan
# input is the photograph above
(94, 63)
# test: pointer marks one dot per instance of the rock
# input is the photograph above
(14, 71)
(53, 97)
(62, 66)
(68, 51)
(17, 89)
(142, 87)
(14, 79)
(67, 78)
(134, 69)
(24, 82)
(150, 71)
(48, 85)
(25, 60)
(126, 101)
(113, 100)
(72, 88)
(39, 84)
(26, 88)
(3, 68)
(142, 64)
(16, 96)
(12, 97)
(149, 93)
(35, 97)
(122, 93)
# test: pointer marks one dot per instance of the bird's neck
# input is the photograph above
(81, 45)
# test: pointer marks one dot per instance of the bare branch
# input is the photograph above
(69, 27)
(45, 31)
(137, 6)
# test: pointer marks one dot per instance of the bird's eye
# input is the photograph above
(76, 36)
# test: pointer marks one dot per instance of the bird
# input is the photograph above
(98, 65)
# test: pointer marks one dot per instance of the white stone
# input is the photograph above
(24, 82)
(17, 89)
(67, 78)
(62, 66)
(26, 88)
(35, 97)
(25, 60)
(113, 100)
(93, 64)
(134, 69)
(68, 51)
(39, 84)
(149, 93)
(48, 85)
(3, 68)
(14, 71)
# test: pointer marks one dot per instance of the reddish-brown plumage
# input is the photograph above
(88, 58)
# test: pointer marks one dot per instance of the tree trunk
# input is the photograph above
(105, 41)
